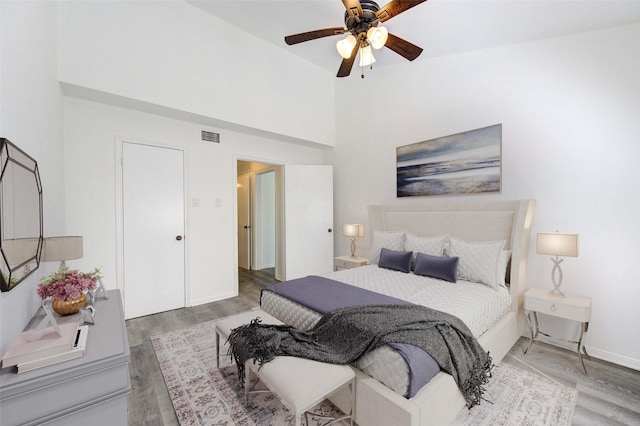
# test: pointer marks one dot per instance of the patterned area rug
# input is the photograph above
(517, 397)
(204, 395)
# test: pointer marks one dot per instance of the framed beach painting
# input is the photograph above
(464, 163)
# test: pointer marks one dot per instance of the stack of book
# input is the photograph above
(40, 348)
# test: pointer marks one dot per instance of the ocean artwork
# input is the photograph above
(464, 163)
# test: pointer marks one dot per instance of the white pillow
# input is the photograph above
(503, 262)
(432, 246)
(478, 261)
(388, 240)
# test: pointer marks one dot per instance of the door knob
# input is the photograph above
(329, 230)
(178, 237)
(246, 227)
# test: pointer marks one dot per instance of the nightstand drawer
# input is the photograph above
(346, 262)
(558, 309)
(339, 263)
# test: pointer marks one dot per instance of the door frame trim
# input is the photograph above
(119, 210)
(240, 157)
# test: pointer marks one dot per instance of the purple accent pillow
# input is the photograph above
(396, 260)
(441, 267)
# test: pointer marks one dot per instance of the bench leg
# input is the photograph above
(351, 415)
(247, 380)
(217, 351)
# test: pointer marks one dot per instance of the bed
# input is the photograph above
(381, 392)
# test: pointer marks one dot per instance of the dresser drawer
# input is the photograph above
(558, 309)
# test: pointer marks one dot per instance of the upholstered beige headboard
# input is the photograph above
(508, 220)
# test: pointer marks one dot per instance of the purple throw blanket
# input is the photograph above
(323, 295)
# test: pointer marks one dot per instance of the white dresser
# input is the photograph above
(91, 390)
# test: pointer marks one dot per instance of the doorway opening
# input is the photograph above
(259, 226)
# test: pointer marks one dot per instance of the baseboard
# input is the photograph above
(622, 360)
(617, 359)
(202, 301)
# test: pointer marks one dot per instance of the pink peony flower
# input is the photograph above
(67, 284)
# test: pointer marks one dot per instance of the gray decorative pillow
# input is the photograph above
(503, 263)
(441, 267)
(478, 261)
(389, 240)
(396, 260)
(427, 245)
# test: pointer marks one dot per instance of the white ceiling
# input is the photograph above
(440, 27)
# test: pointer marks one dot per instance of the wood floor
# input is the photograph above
(608, 395)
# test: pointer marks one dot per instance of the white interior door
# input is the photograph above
(264, 224)
(153, 229)
(308, 201)
(244, 223)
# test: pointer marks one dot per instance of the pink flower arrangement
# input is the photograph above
(67, 284)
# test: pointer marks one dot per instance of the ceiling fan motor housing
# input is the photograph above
(358, 24)
(363, 16)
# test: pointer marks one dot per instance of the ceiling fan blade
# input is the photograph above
(403, 47)
(312, 35)
(396, 7)
(347, 64)
(353, 7)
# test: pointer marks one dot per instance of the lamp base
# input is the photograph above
(556, 293)
(556, 281)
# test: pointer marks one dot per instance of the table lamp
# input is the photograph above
(557, 244)
(353, 231)
(60, 249)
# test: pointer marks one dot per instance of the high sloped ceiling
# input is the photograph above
(440, 27)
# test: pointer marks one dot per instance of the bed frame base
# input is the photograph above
(438, 403)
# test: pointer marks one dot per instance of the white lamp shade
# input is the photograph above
(346, 45)
(366, 56)
(57, 249)
(353, 230)
(557, 244)
(377, 36)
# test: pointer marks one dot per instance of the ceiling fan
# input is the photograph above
(362, 19)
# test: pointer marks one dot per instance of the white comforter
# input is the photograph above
(477, 305)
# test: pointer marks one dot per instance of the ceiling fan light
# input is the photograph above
(377, 36)
(366, 56)
(345, 46)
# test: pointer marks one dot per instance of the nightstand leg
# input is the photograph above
(581, 348)
(532, 320)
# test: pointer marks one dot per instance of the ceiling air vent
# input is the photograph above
(210, 136)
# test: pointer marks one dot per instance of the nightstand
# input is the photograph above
(348, 262)
(570, 307)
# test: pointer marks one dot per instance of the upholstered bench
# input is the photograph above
(299, 383)
(225, 325)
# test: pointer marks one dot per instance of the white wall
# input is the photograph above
(171, 54)
(91, 132)
(570, 111)
(31, 117)
(568, 106)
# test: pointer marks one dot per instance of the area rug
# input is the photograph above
(205, 395)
